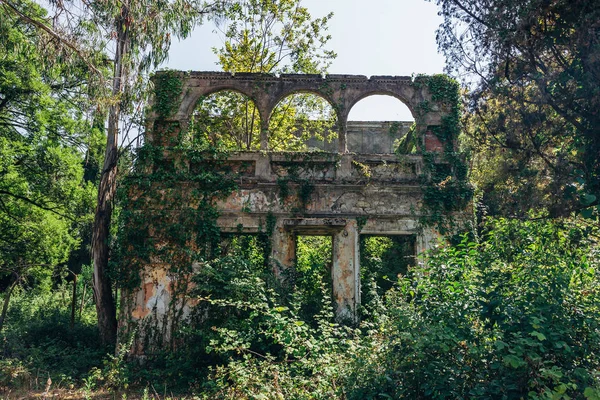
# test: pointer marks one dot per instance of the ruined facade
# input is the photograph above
(360, 188)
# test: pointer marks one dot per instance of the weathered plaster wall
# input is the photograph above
(345, 194)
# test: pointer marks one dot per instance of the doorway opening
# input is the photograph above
(383, 260)
(312, 282)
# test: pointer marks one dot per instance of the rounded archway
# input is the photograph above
(378, 124)
(227, 120)
(303, 122)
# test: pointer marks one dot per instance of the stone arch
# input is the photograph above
(379, 92)
(279, 97)
(341, 91)
(191, 99)
(218, 124)
(290, 94)
(377, 135)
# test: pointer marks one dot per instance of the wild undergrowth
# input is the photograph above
(514, 314)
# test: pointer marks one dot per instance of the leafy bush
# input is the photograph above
(266, 349)
(514, 316)
(38, 340)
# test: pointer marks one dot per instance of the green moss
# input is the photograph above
(445, 184)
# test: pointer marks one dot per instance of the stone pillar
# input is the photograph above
(263, 167)
(432, 142)
(426, 240)
(264, 134)
(342, 133)
(165, 133)
(345, 272)
(344, 170)
(283, 252)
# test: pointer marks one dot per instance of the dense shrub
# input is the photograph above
(514, 316)
(38, 341)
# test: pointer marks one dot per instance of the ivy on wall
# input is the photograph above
(169, 212)
(168, 87)
(444, 181)
(169, 218)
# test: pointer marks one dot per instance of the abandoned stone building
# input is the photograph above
(358, 184)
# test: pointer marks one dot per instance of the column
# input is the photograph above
(342, 122)
(345, 272)
(283, 253)
(264, 134)
(426, 239)
(165, 133)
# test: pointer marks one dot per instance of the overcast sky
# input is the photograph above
(370, 37)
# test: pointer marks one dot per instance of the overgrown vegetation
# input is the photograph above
(509, 309)
(515, 314)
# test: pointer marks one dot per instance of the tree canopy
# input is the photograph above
(44, 134)
(533, 68)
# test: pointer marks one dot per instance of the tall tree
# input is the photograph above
(533, 67)
(133, 35)
(141, 36)
(43, 134)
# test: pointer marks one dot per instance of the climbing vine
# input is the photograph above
(170, 200)
(168, 87)
(444, 181)
(169, 214)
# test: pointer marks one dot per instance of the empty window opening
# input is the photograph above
(248, 247)
(312, 281)
(383, 260)
(226, 120)
(377, 125)
(303, 122)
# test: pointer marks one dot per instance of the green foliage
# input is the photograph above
(274, 36)
(312, 276)
(168, 87)
(515, 316)
(533, 68)
(38, 342)
(191, 226)
(445, 182)
(227, 120)
(256, 340)
(302, 122)
(45, 203)
(384, 259)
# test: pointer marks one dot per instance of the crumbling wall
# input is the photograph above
(340, 193)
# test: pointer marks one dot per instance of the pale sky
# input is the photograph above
(370, 37)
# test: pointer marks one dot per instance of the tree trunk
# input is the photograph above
(82, 300)
(6, 301)
(74, 300)
(105, 304)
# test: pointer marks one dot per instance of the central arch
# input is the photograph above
(303, 120)
(385, 123)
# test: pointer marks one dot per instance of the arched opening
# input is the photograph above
(226, 120)
(303, 122)
(378, 124)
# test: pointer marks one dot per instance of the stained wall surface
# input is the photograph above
(360, 187)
